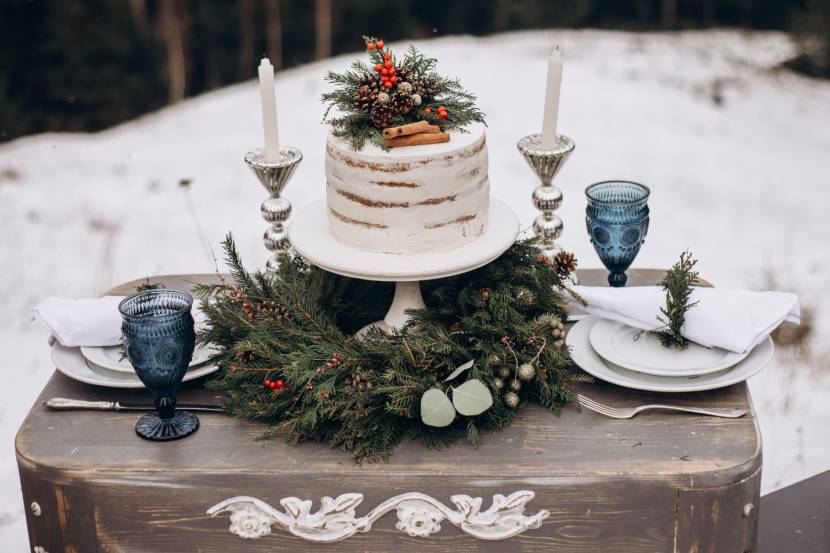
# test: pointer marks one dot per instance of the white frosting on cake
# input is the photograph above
(409, 200)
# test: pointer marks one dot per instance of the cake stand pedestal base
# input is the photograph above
(311, 237)
(407, 296)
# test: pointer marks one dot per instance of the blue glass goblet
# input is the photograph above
(617, 220)
(159, 338)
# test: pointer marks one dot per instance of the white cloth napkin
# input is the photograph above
(735, 320)
(87, 322)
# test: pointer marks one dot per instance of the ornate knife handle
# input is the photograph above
(64, 404)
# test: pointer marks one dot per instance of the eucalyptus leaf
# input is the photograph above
(436, 408)
(472, 398)
(460, 369)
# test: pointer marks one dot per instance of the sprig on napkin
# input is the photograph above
(678, 284)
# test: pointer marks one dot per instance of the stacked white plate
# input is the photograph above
(107, 366)
(625, 356)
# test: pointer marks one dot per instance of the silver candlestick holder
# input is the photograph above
(546, 163)
(276, 210)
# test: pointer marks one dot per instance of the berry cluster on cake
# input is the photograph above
(406, 157)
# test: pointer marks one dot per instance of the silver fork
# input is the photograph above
(629, 412)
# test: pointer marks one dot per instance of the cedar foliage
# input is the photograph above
(299, 327)
(678, 283)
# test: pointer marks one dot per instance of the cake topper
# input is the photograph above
(396, 102)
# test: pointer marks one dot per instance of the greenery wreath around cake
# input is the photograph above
(393, 92)
(488, 342)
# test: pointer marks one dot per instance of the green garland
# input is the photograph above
(289, 358)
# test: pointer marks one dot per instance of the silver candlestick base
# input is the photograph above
(546, 163)
(275, 210)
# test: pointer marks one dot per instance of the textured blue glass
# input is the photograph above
(617, 218)
(159, 338)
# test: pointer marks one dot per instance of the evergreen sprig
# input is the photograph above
(363, 395)
(678, 283)
(356, 125)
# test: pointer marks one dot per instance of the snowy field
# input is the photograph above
(736, 153)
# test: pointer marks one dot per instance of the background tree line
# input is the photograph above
(86, 65)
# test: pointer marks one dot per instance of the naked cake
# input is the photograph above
(406, 158)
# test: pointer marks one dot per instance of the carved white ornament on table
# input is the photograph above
(419, 515)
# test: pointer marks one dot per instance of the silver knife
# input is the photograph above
(64, 404)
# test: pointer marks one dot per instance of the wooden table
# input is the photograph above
(661, 482)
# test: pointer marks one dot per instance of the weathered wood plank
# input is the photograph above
(721, 519)
(586, 516)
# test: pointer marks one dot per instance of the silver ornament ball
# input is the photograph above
(405, 87)
(526, 372)
(416, 99)
(383, 98)
(498, 383)
(515, 385)
(504, 372)
(511, 399)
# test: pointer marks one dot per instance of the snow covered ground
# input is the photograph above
(735, 151)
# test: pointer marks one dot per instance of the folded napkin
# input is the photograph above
(735, 320)
(87, 322)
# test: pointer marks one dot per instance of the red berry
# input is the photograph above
(387, 84)
(443, 115)
(378, 66)
(267, 382)
(427, 110)
(441, 108)
(370, 46)
(393, 78)
(387, 56)
(279, 384)
(380, 44)
(392, 70)
(384, 71)
(387, 64)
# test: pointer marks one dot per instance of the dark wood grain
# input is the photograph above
(621, 486)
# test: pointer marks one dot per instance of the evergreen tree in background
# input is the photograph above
(68, 65)
(74, 66)
(812, 33)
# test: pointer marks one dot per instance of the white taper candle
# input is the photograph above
(555, 63)
(269, 110)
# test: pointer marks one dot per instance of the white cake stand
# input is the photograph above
(310, 235)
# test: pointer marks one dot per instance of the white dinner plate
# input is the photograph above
(632, 349)
(583, 354)
(73, 364)
(110, 357)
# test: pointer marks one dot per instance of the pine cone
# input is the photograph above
(372, 81)
(564, 263)
(270, 308)
(425, 86)
(381, 115)
(402, 102)
(364, 98)
(403, 72)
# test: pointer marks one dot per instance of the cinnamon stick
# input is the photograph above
(406, 130)
(418, 139)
